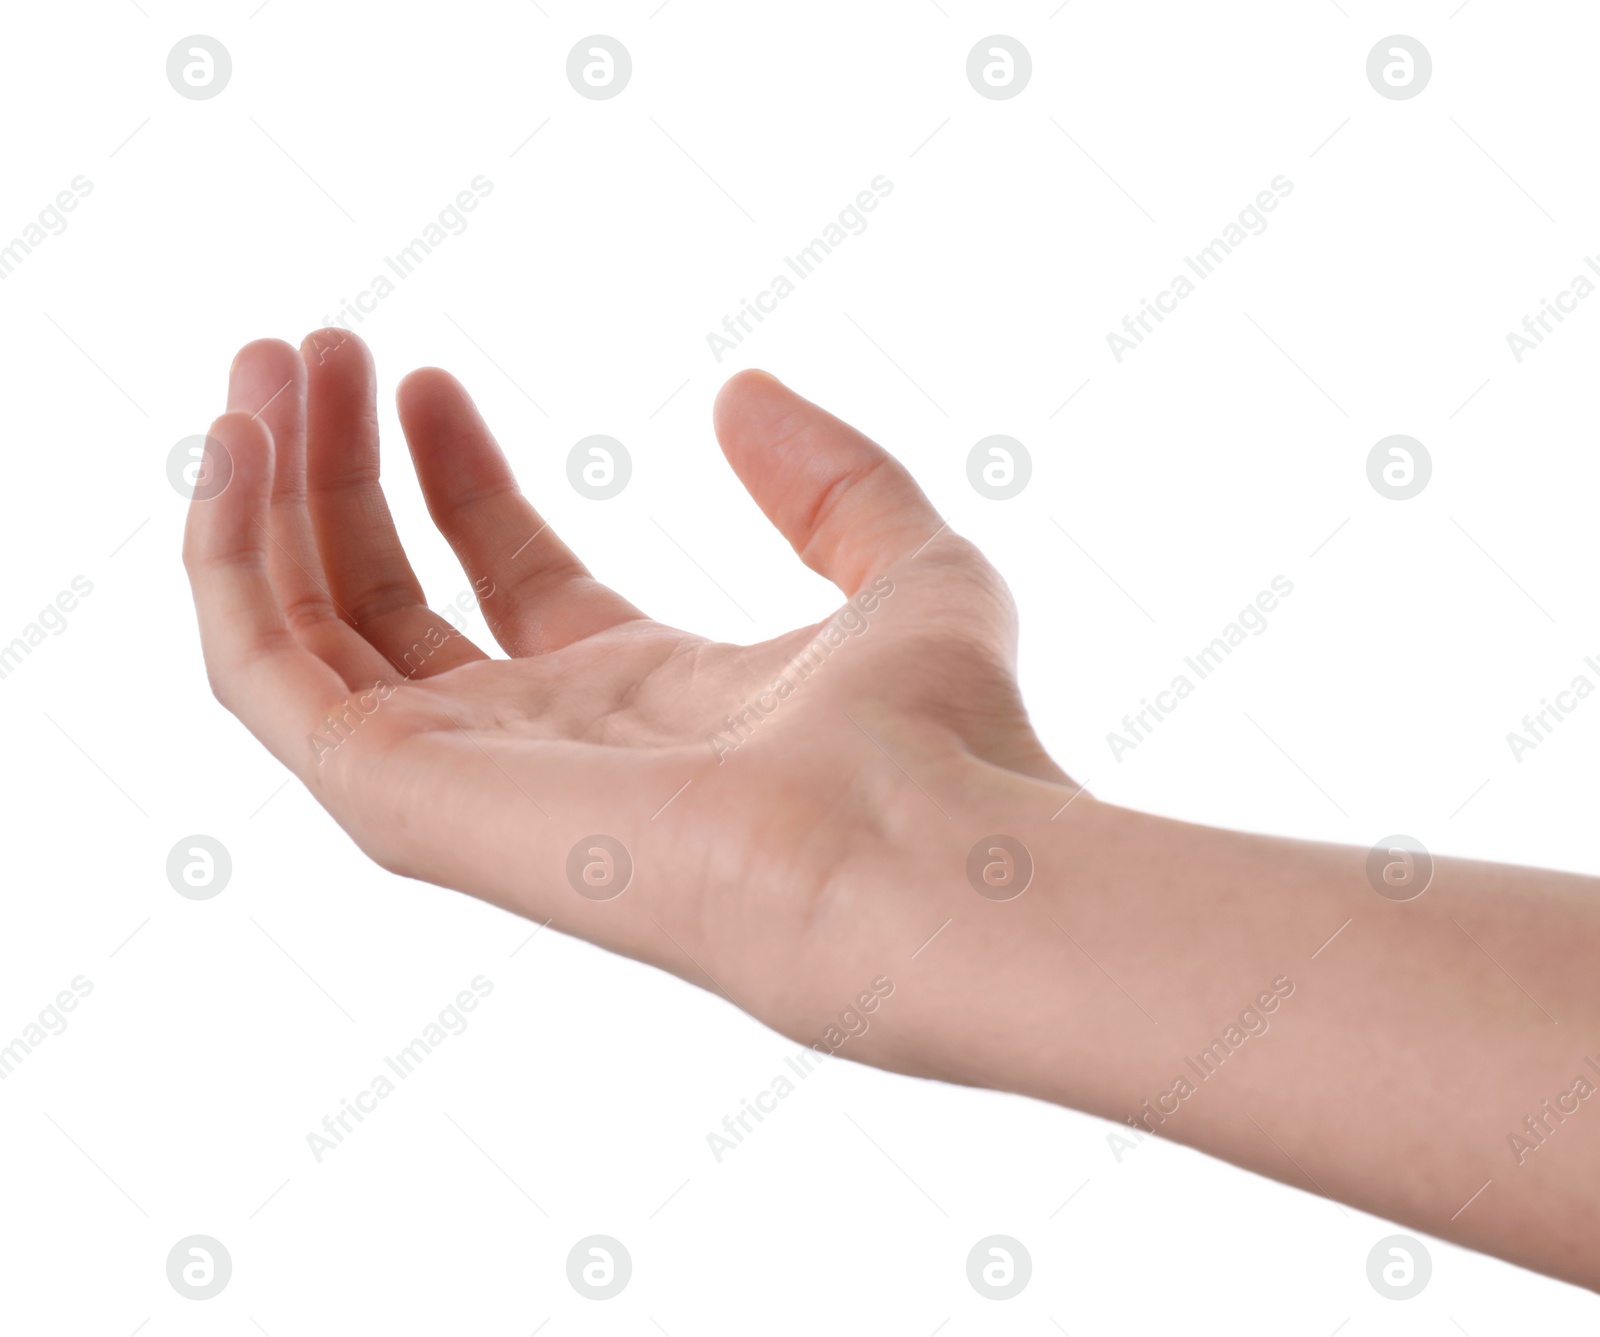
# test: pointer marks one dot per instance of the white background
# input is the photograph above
(179, 1098)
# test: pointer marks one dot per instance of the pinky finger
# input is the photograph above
(258, 670)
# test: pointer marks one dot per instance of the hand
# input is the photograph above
(793, 859)
(762, 793)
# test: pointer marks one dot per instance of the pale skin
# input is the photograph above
(823, 851)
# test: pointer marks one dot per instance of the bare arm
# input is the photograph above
(790, 822)
(1430, 1060)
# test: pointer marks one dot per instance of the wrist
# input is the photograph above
(1009, 941)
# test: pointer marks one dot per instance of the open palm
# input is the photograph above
(725, 812)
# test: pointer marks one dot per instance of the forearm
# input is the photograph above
(1427, 1059)
(1255, 998)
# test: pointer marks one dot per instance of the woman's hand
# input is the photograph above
(857, 818)
(760, 806)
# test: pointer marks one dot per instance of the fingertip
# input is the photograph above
(245, 445)
(233, 478)
(240, 423)
(426, 387)
(261, 372)
(847, 506)
(276, 349)
(752, 376)
(450, 443)
(333, 344)
(740, 394)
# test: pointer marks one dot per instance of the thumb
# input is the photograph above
(846, 505)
